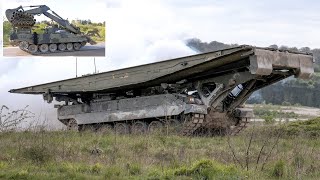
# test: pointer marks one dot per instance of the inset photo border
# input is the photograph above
(53, 28)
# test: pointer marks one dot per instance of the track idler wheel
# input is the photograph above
(76, 46)
(33, 48)
(121, 128)
(155, 127)
(23, 45)
(72, 125)
(139, 127)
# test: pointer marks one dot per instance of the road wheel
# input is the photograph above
(121, 128)
(23, 45)
(139, 127)
(53, 47)
(33, 48)
(62, 47)
(105, 129)
(87, 128)
(69, 46)
(76, 46)
(155, 127)
(44, 48)
(72, 125)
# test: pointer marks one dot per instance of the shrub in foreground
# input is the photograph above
(207, 169)
(310, 128)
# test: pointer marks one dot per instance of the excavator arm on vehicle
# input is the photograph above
(42, 9)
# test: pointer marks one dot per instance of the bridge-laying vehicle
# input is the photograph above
(59, 37)
(198, 94)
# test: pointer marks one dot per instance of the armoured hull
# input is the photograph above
(202, 94)
(154, 106)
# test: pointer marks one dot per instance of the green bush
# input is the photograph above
(270, 113)
(134, 169)
(113, 172)
(309, 128)
(154, 174)
(37, 154)
(269, 119)
(3, 165)
(286, 103)
(6, 32)
(278, 169)
(207, 169)
(96, 168)
(23, 174)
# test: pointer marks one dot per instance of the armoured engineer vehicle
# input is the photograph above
(62, 36)
(202, 93)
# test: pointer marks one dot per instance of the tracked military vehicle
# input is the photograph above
(199, 94)
(59, 37)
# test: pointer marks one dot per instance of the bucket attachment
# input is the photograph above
(91, 41)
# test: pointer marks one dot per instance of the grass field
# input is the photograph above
(258, 153)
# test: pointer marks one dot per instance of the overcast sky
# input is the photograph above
(67, 9)
(140, 32)
(261, 23)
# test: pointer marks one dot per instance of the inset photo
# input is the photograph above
(54, 28)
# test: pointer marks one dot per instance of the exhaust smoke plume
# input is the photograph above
(129, 43)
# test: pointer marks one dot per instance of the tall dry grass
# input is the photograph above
(64, 154)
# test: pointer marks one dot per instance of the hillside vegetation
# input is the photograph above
(6, 33)
(39, 28)
(258, 153)
(291, 91)
(310, 128)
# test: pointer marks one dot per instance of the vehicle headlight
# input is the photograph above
(191, 100)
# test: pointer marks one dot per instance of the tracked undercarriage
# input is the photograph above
(201, 94)
(49, 47)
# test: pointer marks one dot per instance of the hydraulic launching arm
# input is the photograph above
(43, 9)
